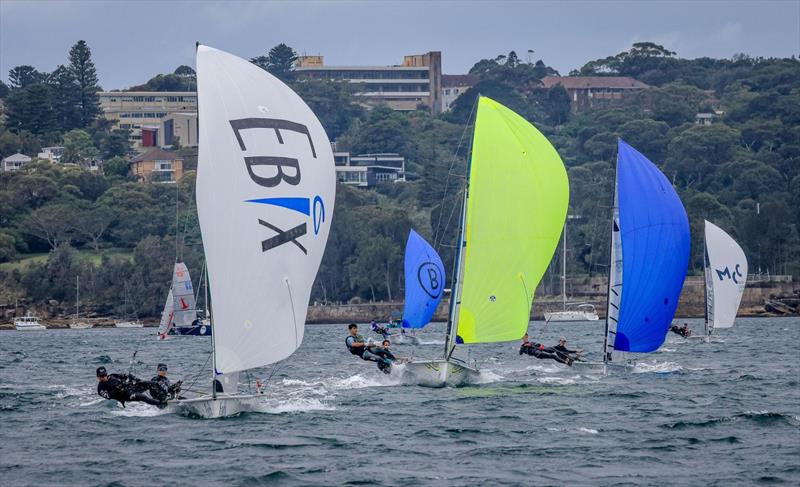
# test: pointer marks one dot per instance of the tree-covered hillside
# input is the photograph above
(741, 172)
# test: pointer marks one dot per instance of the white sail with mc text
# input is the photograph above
(726, 274)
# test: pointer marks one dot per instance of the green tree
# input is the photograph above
(31, 109)
(184, 70)
(66, 98)
(51, 223)
(24, 76)
(78, 147)
(85, 74)
(333, 102)
(116, 143)
(279, 61)
(116, 166)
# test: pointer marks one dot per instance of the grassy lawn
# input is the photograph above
(91, 255)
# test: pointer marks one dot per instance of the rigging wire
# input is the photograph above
(450, 170)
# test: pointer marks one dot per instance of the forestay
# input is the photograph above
(726, 274)
(265, 197)
(516, 208)
(424, 277)
(654, 242)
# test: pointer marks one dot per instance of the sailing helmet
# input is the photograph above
(101, 372)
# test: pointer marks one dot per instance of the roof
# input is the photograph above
(577, 82)
(450, 80)
(106, 94)
(157, 155)
(17, 158)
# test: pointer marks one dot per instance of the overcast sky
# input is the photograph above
(132, 41)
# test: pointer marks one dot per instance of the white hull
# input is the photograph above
(29, 327)
(80, 326)
(222, 406)
(28, 323)
(440, 373)
(128, 324)
(571, 316)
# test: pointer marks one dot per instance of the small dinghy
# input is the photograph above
(515, 205)
(265, 196)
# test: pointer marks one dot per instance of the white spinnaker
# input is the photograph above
(166, 315)
(184, 310)
(727, 273)
(265, 197)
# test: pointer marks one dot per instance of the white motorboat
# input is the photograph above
(28, 323)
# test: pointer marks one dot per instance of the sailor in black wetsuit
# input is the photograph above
(562, 350)
(123, 388)
(682, 331)
(365, 350)
(160, 387)
(541, 352)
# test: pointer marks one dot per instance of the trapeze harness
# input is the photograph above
(357, 351)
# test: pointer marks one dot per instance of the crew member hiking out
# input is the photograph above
(379, 329)
(541, 352)
(562, 350)
(682, 331)
(160, 387)
(365, 350)
(124, 388)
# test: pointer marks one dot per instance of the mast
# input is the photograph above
(612, 265)
(77, 297)
(455, 294)
(213, 344)
(564, 268)
(705, 284)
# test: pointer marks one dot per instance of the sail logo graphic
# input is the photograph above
(429, 276)
(733, 276)
(287, 174)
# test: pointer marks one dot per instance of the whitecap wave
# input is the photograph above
(657, 367)
(296, 405)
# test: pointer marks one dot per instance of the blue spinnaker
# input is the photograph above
(655, 251)
(424, 282)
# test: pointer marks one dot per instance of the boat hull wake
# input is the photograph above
(223, 405)
(440, 373)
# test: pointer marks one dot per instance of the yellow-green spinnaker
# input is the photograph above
(518, 197)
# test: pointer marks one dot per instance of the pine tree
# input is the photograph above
(66, 98)
(279, 61)
(82, 68)
(24, 76)
(31, 109)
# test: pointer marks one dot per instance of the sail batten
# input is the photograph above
(516, 208)
(654, 249)
(259, 142)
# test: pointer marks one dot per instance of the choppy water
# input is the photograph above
(722, 413)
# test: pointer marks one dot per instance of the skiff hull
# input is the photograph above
(223, 405)
(440, 373)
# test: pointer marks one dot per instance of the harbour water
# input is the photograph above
(719, 413)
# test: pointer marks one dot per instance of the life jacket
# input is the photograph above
(357, 351)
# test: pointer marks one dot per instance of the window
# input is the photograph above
(163, 165)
